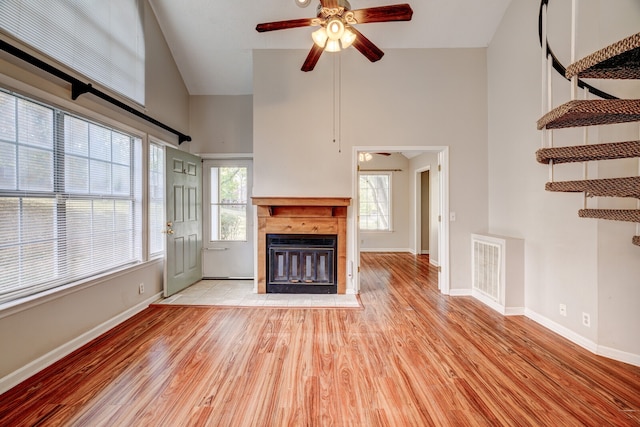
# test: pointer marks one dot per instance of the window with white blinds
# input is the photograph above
(102, 40)
(156, 200)
(70, 198)
(375, 201)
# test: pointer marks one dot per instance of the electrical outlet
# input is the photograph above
(586, 320)
(141, 288)
(563, 310)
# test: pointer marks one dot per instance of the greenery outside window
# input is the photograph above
(228, 203)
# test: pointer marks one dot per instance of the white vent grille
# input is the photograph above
(487, 258)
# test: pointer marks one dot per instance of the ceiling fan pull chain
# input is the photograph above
(333, 110)
(339, 56)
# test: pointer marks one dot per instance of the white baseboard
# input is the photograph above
(620, 356)
(460, 292)
(505, 311)
(16, 377)
(434, 262)
(562, 331)
(386, 250)
(514, 311)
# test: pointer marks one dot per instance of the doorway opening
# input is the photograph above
(406, 166)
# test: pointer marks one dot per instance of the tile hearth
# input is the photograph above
(240, 293)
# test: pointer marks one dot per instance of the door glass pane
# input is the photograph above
(228, 203)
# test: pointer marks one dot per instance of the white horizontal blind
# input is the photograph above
(103, 40)
(156, 200)
(375, 201)
(70, 198)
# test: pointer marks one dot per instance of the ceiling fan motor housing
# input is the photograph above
(325, 12)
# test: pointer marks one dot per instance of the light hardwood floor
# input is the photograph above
(411, 357)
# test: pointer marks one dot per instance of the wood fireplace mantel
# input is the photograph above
(302, 215)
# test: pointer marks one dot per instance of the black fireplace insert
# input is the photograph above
(301, 263)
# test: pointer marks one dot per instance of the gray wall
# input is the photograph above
(221, 124)
(589, 265)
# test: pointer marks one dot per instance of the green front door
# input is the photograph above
(183, 265)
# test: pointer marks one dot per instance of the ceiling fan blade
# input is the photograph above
(330, 4)
(366, 47)
(396, 12)
(284, 25)
(312, 58)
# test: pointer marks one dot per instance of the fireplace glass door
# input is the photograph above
(299, 264)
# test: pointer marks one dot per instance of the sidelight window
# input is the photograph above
(156, 200)
(228, 203)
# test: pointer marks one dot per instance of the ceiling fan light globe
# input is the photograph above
(347, 38)
(303, 3)
(364, 157)
(335, 28)
(320, 37)
(333, 46)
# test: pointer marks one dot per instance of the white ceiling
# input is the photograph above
(212, 40)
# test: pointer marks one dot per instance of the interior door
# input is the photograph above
(183, 263)
(228, 243)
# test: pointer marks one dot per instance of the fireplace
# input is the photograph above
(301, 263)
(302, 244)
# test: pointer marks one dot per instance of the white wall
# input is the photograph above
(412, 97)
(589, 265)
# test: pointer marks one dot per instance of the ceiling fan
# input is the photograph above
(336, 19)
(366, 156)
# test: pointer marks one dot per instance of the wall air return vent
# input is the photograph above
(497, 265)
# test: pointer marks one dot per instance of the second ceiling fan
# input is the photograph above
(336, 19)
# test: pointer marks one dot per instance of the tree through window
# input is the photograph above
(375, 202)
(228, 203)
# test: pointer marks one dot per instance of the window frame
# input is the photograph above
(136, 198)
(208, 188)
(157, 224)
(390, 227)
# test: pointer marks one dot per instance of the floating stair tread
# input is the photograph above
(631, 215)
(607, 187)
(585, 153)
(621, 60)
(636, 240)
(591, 113)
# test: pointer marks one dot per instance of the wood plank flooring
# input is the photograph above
(411, 357)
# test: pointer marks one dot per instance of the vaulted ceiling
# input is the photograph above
(212, 41)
